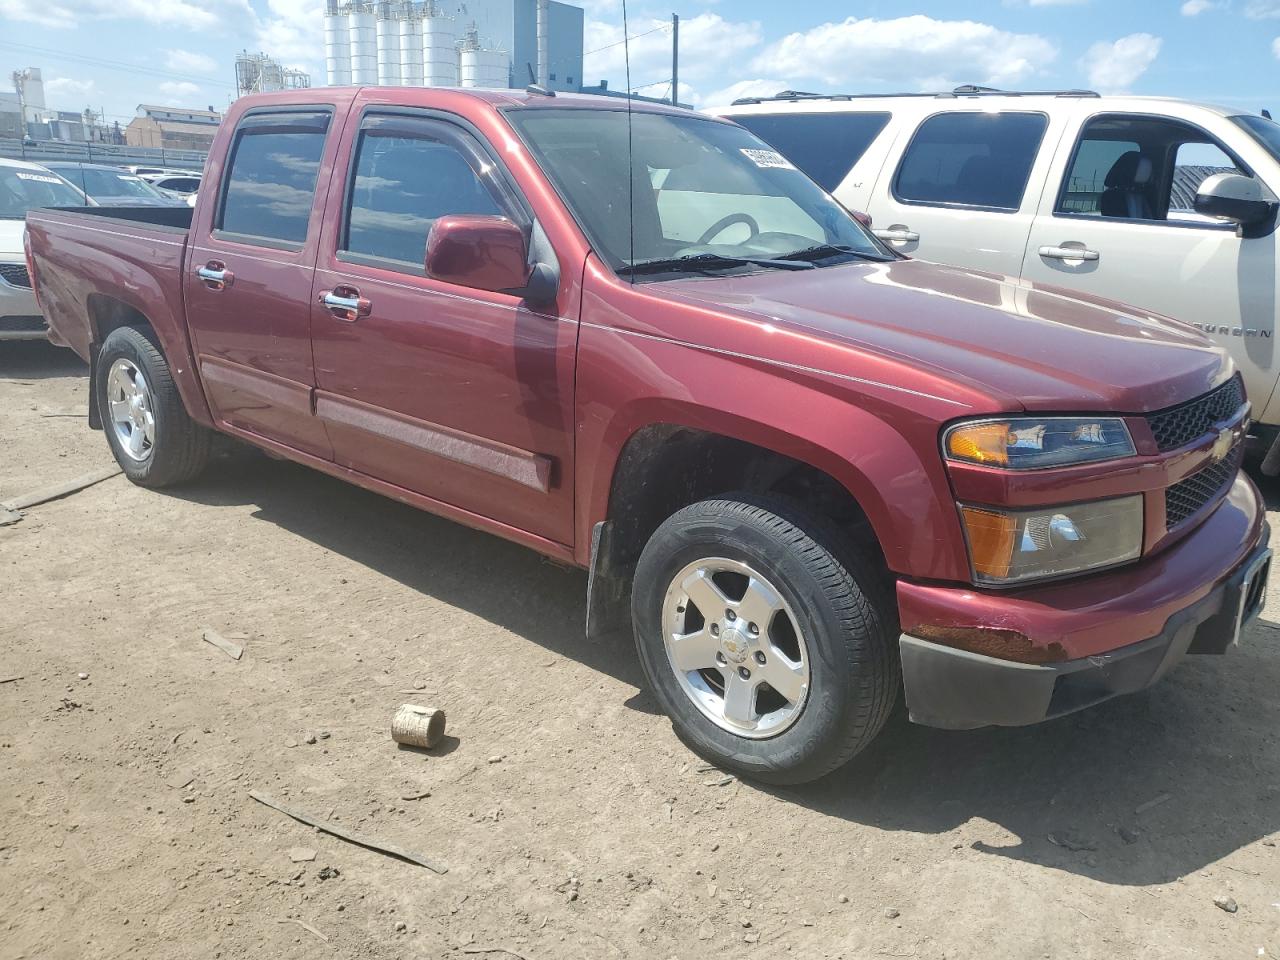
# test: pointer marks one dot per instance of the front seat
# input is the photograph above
(1126, 188)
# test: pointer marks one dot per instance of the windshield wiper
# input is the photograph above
(823, 250)
(698, 262)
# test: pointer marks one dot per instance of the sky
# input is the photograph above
(112, 55)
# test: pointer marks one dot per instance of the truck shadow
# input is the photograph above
(1197, 755)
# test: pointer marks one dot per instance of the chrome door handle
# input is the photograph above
(897, 235)
(346, 304)
(1069, 251)
(215, 275)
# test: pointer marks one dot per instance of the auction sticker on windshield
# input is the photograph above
(38, 177)
(768, 159)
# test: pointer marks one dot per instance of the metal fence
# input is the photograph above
(41, 150)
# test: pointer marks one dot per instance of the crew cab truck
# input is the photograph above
(640, 341)
(1166, 204)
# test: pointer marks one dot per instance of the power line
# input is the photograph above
(665, 26)
(115, 65)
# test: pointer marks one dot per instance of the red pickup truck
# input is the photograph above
(640, 341)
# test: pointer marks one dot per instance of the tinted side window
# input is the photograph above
(403, 184)
(1087, 179)
(271, 181)
(971, 159)
(823, 145)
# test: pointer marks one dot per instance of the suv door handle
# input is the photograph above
(346, 304)
(215, 275)
(897, 234)
(1069, 251)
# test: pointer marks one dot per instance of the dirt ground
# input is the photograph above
(573, 822)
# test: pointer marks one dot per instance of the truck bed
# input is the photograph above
(97, 267)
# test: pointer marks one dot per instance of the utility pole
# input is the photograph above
(20, 85)
(675, 59)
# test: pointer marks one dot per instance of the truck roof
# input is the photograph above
(496, 97)
(20, 164)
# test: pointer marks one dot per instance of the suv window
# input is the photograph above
(1129, 167)
(407, 175)
(824, 145)
(271, 180)
(971, 159)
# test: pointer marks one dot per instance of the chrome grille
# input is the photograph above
(1188, 421)
(1187, 496)
(15, 273)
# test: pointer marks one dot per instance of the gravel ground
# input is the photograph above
(573, 822)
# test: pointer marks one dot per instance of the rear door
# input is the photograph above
(461, 395)
(964, 189)
(249, 275)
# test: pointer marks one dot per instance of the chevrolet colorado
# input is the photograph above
(640, 341)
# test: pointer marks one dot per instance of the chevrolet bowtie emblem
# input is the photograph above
(1223, 444)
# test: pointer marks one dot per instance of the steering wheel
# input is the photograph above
(724, 223)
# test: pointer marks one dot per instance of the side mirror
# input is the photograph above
(487, 253)
(1233, 197)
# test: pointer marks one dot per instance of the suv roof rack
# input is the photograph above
(964, 90)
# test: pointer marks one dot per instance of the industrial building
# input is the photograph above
(259, 73)
(451, 43)
(172, 128)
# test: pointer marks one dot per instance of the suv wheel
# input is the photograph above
(765, 637)
(153, 439)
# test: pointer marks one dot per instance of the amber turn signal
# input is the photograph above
(986, 443)
(991, 540)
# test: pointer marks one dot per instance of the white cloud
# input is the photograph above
(185, 61)
(743, 88)
(60, 90)
(1275, 47)
(913, 51)
(1055, 3)
(179, 93)
(1115, 66)
(1262, 9)
(1193, 8)
(293, 32)
(66, 14)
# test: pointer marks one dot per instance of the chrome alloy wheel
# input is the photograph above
(132, 409)
(736, 647)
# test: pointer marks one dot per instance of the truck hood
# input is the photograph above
(11, 239)
(1038, 347)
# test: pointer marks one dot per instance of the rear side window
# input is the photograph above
(824, 145)
(971, 160)
(408, 174)
(271, 179)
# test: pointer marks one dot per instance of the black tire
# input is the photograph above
(835, 591)
(181, 446)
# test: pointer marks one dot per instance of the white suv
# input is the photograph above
(1161, 203)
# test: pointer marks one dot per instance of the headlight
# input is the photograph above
(1011, 546)
(1030, 443)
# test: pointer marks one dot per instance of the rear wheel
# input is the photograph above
(153, 439)
(766, 638)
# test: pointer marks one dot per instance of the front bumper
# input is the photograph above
(20, 317)
(1202, 592)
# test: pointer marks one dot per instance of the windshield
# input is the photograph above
(116, 183)
(701, 189)
(22, 189)
(1265, 131)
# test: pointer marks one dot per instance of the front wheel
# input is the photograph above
(151, 435)
(765, 637)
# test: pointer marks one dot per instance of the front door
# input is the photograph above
(1119, 222)
(460, 395)
(249, 277)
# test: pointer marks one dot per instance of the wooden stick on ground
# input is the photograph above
(305, 926)
(506, 950)
(378, 845)
(45, 494)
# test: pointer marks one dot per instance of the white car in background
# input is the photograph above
(1165, 204)
(182, 185)
(24, 186)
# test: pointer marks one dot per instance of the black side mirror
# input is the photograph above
(1231, 196)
